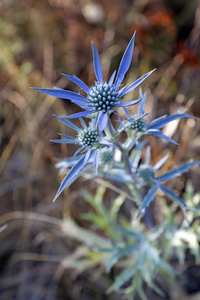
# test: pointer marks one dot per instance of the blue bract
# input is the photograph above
(141, 128)
(147, 173)
(103, 97)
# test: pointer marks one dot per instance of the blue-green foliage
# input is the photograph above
(101, 154)
(137, 255)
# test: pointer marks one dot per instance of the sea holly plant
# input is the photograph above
(102, 154)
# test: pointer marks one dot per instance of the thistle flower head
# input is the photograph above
(87, 137)
(138, 125)
(103, 97)
(146, 172)
(106, 156)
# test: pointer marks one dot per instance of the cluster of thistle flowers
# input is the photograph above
(98, 140)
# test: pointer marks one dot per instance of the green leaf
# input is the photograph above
(97, 221)
(166, 268)
(119, 253)
(129, 233)
(124, 277)
(117, 203)
(84, 235)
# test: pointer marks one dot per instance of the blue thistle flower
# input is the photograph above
(140, 127)
(91, 145)
(103, 97)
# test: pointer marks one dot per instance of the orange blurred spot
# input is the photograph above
(164, 19)
(188, 55)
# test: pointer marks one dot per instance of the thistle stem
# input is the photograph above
(125, 157)
(110, 131)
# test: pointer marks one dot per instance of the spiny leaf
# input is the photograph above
(161, 122)
(178, 171)
(124, 277)
(74, 170)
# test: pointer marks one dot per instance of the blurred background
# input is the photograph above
(39, 40)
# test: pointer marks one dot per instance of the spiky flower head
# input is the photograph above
(103, 97)
(146, 172)
(139, 125)
(106, 156)
(87, 137)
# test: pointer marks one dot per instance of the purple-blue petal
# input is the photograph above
(112, 78)
(66, 136)
(78, 82)
(68, 123)
(163, 121)
(97, 64)
(83, 123)
(66, 141)
(79, 150)
(178, 171)
(106, 143)
(136, 83)
(74, 170)
(161, 162)
(83, 105)
(64, 94)
(128, 103)
(160, 134)
(80, 114)
(103, 120)
(125, 62)
(96, 160)
(150, 125)
(142, 102)
(87, 156)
